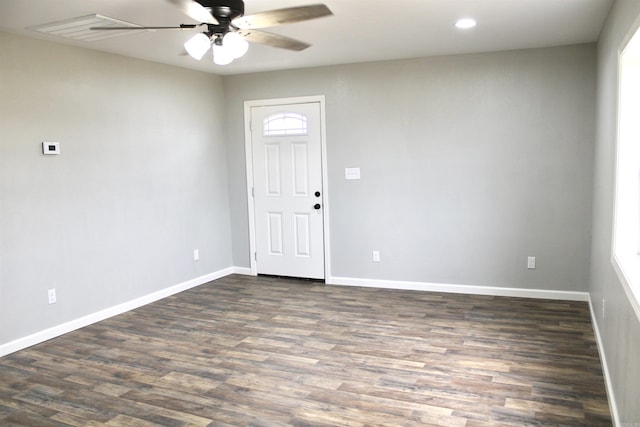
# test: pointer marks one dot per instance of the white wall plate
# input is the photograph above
(50, 147)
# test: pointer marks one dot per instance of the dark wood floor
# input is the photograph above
(265, 352)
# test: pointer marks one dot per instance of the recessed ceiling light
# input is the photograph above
(465, 23)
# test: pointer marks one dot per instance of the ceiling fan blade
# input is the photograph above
(288, 15)
(273, 40)
(195, 11)
(181, 27)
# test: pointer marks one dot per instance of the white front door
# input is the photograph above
(287, 186)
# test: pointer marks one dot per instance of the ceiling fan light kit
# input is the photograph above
(235, 43)
(197, 45)
(225, 49)
(221, 56)
(229, 31)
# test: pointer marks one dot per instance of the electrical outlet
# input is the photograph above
(196, 254)
(531, 262)
(51, 293)
(376, 256)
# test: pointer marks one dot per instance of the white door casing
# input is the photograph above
(286, 178)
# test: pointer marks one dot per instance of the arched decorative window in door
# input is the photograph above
(285, 124)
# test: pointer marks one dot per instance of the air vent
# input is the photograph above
(79, 28)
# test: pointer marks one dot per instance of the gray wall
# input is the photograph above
(469, 164)
(140, 183)
(620, 329)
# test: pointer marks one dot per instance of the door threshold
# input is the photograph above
(303, 279)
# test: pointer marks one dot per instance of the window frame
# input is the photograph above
(627, 265)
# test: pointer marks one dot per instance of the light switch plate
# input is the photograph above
(352, 173)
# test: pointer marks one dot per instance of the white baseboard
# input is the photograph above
(64, 328)
(245, 271)
(605, 368)
(460, 289)
(81, 322)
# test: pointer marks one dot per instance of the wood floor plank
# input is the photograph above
(265, 351)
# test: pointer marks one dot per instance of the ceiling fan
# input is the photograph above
(228, 30)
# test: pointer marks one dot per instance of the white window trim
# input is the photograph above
(631, 290)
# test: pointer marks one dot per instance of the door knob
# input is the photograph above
(316, 206)
(317, 194)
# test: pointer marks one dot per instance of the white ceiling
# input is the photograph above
(359, 31)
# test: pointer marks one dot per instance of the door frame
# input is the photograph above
(248, 148)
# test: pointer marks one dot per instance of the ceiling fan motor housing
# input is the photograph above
(224, 9)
